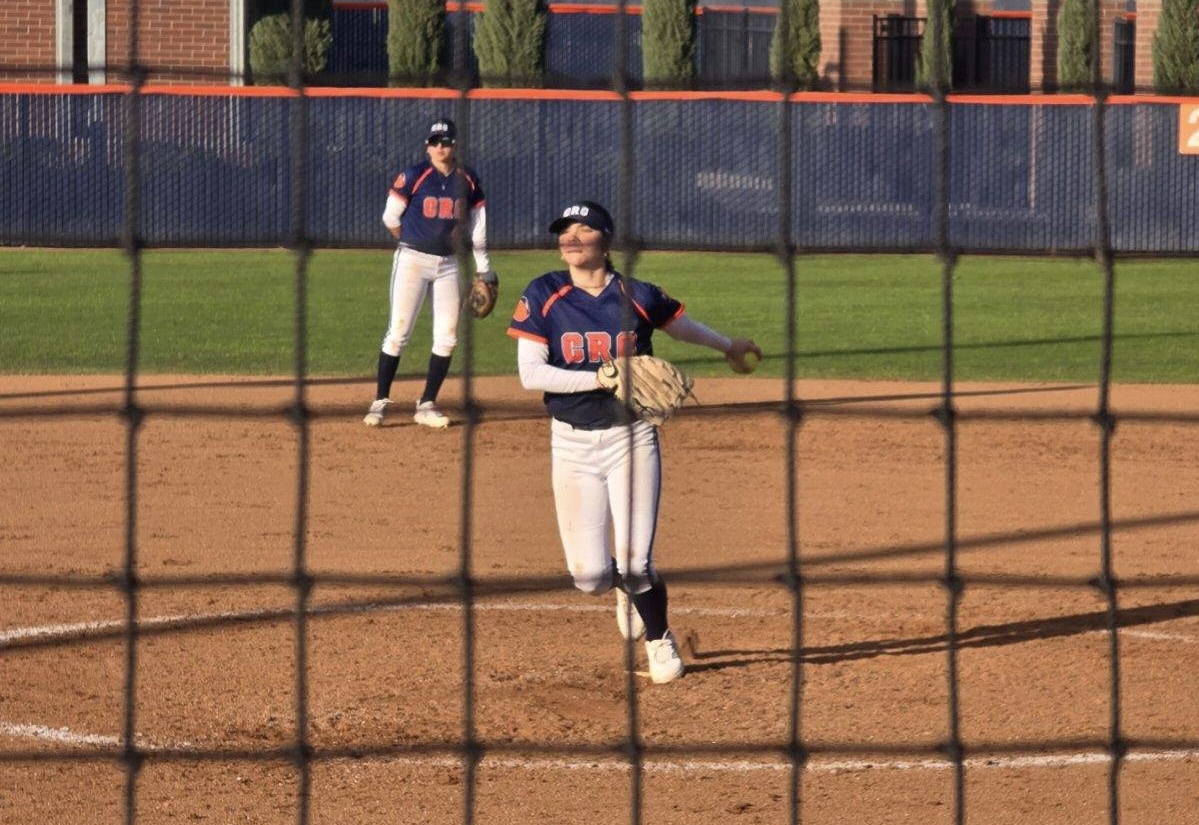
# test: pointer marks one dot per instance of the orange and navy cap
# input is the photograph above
(588, 213)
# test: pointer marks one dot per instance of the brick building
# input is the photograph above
(52, 41)
(204, 41)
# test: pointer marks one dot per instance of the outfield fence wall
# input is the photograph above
(216, 167)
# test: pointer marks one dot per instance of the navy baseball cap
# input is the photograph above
(588, 213)
(443, 128)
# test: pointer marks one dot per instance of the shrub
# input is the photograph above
(802, 61)
(510, 42)
(271, 48)
(415, 38)
(668, 42)
(1176, 47)
(1076, 53)
(938, 37)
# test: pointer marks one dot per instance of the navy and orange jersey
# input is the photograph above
(583, 330)
(432, 202)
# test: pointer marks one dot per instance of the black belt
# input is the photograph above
(586, 427)
(620, 421)
(428, 249)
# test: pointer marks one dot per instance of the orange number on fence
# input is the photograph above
(1188, 129)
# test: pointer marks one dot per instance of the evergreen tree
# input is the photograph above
(802, 60)
(271, 48)
(415, 38)
(1176, 48)
(938, 35)
(668, 42)
(510, 42)
(1076, 52)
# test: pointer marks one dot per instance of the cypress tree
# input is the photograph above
(802, 60)
(415, 36)
(510, 42)
(938, 34)
(668, 42)
(1176, 47)
(1076, 52)
(271, 48)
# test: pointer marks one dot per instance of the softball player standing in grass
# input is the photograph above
(433, 199)
(606, 466)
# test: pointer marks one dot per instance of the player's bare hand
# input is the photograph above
(743, 356)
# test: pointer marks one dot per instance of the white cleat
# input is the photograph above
(427, 415)
(378, 409)
(628, 620)
(665, 663)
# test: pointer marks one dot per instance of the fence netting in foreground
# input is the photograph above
(1115, 746)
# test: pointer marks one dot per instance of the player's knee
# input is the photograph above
(593, 582)
(639, 578)
(394, 344)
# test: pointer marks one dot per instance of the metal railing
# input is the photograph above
(990, 53)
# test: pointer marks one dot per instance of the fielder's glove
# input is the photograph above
(655, 388)
(483, 294)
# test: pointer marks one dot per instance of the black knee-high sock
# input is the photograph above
(652, 606)
(388, 364)
(439, 366)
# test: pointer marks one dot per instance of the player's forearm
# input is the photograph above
(689, 331)
(478, 238)
(393, 212)
(537, 374)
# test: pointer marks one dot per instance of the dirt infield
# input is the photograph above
(216, 484)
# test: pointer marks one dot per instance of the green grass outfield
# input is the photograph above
(859, 316)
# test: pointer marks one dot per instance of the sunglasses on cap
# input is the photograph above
(441, 141)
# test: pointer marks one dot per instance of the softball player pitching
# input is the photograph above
(425, 208)
(606, 469)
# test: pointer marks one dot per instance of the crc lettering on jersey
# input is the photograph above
(433, 207)
(595, 347)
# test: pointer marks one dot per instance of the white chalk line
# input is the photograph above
(68, 737)
(815, 765)
(83, 628)
(1159, 636)
(78, 628)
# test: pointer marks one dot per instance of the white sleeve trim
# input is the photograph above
(689, 331)
(394, 210)
(478, 238)
(537, 374)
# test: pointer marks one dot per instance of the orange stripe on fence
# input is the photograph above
(858, 97)
(764, 96)
(589, 95)
(579, 8)
(737, 9)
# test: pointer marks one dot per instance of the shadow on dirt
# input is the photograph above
(975, 637)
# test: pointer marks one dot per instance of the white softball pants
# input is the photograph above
(606, 486)
(413, 275)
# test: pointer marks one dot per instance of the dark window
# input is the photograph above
(734, 47)
(79, 41)
(991, 54)
(1124, 53)
(896, 47)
